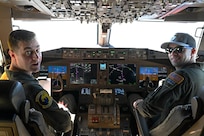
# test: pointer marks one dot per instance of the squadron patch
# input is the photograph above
(43, 99)
(173, 80)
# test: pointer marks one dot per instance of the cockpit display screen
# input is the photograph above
(124, 74)
(83, 73)
(57, 74)
(150, 72)
(148, 77)
(57, 69)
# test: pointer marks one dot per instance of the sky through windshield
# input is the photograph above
(57, 34)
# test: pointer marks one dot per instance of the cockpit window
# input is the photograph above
(139, 34)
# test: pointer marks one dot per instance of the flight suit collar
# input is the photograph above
(12, 75)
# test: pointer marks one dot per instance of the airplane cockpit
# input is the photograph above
(100, 80)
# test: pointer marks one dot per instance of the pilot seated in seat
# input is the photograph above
(179, 87)
(26, 58)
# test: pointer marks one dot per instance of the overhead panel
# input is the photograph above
(104, 11)
(112, 11)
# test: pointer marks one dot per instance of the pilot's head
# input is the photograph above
(181, 49)
(24, 51)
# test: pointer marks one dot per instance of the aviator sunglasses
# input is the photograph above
(179, 49)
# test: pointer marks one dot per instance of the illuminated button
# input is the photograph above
(95, 119)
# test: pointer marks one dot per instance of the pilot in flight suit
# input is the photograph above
(180, 86)
(26, 58)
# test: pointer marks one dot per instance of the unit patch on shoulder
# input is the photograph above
(173, 79)
(43, 99)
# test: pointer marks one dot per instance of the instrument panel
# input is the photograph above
(104, 68)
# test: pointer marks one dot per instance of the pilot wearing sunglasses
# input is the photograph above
(181, 50)
(178, 88)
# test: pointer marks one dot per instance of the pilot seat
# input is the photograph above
(183, 120)
(16, 117)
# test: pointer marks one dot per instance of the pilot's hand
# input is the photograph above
(62, 105)
(135, 103)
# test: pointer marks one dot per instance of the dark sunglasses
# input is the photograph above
(179, 49)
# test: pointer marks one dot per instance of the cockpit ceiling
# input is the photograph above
(105, 11)
(112, 11)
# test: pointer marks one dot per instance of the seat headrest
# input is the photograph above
(11, 96)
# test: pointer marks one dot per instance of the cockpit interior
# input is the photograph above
(101, 79)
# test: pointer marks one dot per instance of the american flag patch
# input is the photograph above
(175, 78)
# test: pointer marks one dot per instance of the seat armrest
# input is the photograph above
(196, 106)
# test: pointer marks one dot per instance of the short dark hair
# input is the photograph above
(19, 35)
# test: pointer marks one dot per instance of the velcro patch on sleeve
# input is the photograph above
(44, 99)
(173, 79)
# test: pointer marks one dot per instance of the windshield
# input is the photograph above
(57, 34)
